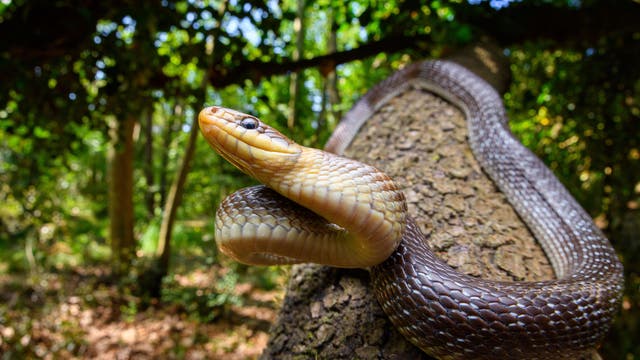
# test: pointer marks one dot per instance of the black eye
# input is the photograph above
(249, 123)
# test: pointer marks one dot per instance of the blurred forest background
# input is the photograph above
(107, 191)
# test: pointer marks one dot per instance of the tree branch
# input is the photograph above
(516, 24)
(256, 70)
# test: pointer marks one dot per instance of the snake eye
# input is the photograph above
(249, 123)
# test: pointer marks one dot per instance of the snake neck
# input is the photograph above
(357, 197)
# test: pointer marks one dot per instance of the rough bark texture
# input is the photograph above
(421, 141)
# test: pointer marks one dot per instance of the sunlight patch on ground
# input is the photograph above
(75, 315)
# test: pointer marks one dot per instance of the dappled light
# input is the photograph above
(84, 314)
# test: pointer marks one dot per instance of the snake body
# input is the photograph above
(327, 208)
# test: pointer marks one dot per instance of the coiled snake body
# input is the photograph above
(331, 210)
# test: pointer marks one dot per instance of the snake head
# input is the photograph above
(254, 147)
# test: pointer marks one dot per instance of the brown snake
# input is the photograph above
(343, 213)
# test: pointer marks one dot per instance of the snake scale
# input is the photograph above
(328, 209)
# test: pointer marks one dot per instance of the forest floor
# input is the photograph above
(78, 314)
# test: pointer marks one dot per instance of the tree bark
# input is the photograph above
(150, 191)
(173, 202)
(332, 313)
(296, 78)
(167, 138)
(120, 174)
(330, 94)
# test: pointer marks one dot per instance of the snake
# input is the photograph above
(318, 206)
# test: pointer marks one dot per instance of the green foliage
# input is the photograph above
(579, 111)
(205, 304)
(266, 278)
(583, 125)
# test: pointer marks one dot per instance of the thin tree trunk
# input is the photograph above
(322, 117)
(296, 77)
(164, 158)
(150, 191)
(120, 174)
(173, 202)
(151, 280)
(330, 97)
(332, 78)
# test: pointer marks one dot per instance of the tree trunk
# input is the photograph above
(332, 313)
(120, 174)
(150, 191)
(173, 202)
(329, 114)
(164, 157)
(152, 280)
(296, 77)
(332, 78)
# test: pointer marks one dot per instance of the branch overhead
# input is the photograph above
(256, 70)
